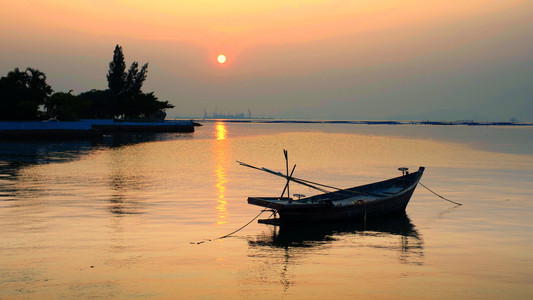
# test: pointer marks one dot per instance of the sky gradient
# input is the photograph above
(442, 60)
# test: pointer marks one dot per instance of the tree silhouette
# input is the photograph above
(21, 93)
(116, 76)
(122, 84)
(38, 88)
(146, 106)
(65, 106)
(135, 79)
(100, 104)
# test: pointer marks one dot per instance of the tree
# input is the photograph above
(124, 84)
(65, 106)
(38, 89)
(135, 106)
(21, 94)
(100, 104)
(146, 106)
(116, 76)
(135, 79)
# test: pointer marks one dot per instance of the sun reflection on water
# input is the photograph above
(221, 131)
(221, 189)
(220, 157)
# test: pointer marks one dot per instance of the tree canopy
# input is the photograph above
(116, 75)
(66, 107)
(23, 93)
(124, 84)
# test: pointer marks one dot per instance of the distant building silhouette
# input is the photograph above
(216, 115)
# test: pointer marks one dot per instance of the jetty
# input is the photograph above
(114, 126)
(86, 129)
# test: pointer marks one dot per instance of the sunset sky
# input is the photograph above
(378, 59)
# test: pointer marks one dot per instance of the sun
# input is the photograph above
(221, 59)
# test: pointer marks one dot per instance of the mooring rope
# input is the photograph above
(235, 231)
(230, 234)
(288, 177)
(266, 208)
(439, 195)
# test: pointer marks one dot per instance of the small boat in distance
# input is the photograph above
(357, 203)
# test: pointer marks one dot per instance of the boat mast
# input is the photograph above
(285, 152)
(308, 183)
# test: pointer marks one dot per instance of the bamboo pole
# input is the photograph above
(287, 167)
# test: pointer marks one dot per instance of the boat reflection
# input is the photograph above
(220, 155)
(374, 234)
(281, 250)
(287, 246)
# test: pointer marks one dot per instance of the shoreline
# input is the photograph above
(86, 129)
(366, 122)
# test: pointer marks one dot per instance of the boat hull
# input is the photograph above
(396, 205)
(358, 203)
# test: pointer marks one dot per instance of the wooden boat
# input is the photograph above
(367, 201)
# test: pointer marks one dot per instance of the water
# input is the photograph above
(121, 218)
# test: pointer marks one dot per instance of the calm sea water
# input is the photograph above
(122, 218)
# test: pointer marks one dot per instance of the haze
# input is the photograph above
(440, 60)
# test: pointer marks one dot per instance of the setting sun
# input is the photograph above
(221, 58)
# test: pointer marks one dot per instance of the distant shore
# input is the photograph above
(366, 122)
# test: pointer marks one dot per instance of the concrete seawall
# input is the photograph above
(183, 126)
(84, 129)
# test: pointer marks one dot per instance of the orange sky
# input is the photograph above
(233, 25)
(262, 39)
